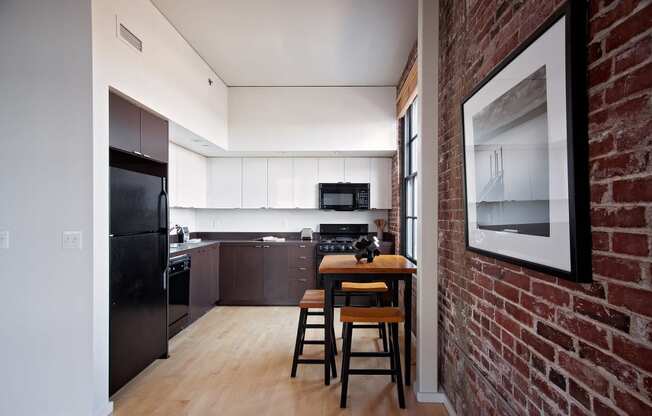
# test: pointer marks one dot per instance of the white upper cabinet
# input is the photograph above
(254, 183)
(280, 189)
(187, 178)
(381, 183)
(224, 183)
(356, 169)
(306, 183)
(331, 170)
(172, 176)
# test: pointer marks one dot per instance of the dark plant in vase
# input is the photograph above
(366, 247)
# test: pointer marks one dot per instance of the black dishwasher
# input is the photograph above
(179, 300)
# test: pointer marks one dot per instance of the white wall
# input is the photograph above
(46, 187)
(170, 79)
(168, 76)
(305, 119)
(272, 220)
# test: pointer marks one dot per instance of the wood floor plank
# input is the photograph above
(236, 361)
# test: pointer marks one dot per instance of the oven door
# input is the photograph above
(339, 197)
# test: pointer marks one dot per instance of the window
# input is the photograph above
(410, 191)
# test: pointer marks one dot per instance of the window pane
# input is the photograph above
(409, 237)
(413, 156)
(415, 212)
(415, 118)
(409, 198)
(415, 233)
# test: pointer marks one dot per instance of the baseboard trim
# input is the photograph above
(431, 397)
(105, 410)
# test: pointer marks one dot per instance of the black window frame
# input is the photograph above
(408, 175)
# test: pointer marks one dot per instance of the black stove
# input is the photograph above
(339, 238)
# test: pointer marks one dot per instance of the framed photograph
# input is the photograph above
(525, 153)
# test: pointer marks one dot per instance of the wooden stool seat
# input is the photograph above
(312, 299)
(379, 314)
(364, 287)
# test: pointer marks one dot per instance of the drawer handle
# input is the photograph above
(302, 246)
(303, 280)
(303, 257)
(259, 246)
(265, 246)
(303, 269)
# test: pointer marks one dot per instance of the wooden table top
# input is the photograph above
(383, 264)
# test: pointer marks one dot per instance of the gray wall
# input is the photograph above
(46, 186)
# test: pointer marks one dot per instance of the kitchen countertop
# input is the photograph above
(182, 248)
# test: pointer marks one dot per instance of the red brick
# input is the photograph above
(611, 16)
(634, 55)
(634, 190)
(506, 291)
(626, 217)
(538, 344)
(602, 314)
(599, 193)
(550, 392)
(558, 379)
(584, 373)
(633, 244)
(647, 385)
(637, 354)
(583, 329)
(551, 293)
(636, 135)
(629, 84)
(624, 372)
(616, 268)
(630, 404)
(534, 305)
(556, 336)
(594, 52)
(539, 364)
(602, 147)
(629, 28)
(579, 393)
(634, 299)
(620, 164)
(519, 314)
(516, 279)
(595, 289)
(601, 73)
(602, 409)
(516, 362)
(509, 324)
(575, 410)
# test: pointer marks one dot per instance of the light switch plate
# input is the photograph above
(72, 240)
(4, 240)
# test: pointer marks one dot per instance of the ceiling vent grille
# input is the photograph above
(130, 38)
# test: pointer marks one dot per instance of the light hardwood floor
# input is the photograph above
(236, 361)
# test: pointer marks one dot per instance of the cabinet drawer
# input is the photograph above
(301, 253)
(302, 260)
(297, 288)
(301, 272)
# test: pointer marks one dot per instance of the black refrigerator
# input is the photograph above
(139, 252)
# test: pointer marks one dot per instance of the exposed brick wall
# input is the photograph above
(513, 341)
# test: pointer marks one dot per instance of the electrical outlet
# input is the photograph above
(4, 240)
(72, 240)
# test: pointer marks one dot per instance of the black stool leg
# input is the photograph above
(299, 342)
(391, 357)
(382, 331)
(304, 322)
(334, 340)
(397, 361)
(346, 360)
(347, 302)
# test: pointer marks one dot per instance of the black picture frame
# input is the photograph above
(575, 13)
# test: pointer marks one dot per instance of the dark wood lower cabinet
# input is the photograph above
(265, 274)
(204, 277)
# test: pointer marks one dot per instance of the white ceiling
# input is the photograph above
(298, 42)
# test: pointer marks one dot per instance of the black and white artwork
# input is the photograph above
(519, 136)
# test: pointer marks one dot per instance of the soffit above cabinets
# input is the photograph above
(299, 42)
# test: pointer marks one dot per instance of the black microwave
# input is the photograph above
(344, 196)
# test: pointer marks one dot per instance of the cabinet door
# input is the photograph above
(306, 183)
(381, 183)
(249, 279)
(331, 170)
(172, 175)
(224, 183)
(215, 274)
(254, 183)
(228, 271)
(356, 169)
(153, 136)
(276, 274)
(124, 124)
(197, 284)
(280, 185)
(190, 179)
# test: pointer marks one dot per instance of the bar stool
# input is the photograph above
(378, 289)
(385, 315)
(312, 299)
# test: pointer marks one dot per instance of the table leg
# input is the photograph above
(408, 329)
(328, 328)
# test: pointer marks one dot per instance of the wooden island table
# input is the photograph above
(387, 268)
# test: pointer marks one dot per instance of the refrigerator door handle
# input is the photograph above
(166, 265)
